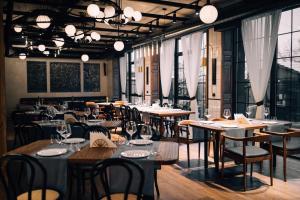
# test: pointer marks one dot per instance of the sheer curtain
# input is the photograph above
(139, 72)
(167, 56)
(123, 75)
(259, 35)
(191, 49)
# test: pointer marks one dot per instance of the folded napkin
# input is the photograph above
(98, 139)
(241, 119)
(69, 118)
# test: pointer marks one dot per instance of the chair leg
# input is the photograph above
(251, 169)
(155, 182)
(208, 147)
(188, 154)
(245, 175)
(199, 150)
(261, 166)
(222, 168)
(271, 171)
(284, 166)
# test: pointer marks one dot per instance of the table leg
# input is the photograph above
(161, 126)
(216, 151)
(205, 149)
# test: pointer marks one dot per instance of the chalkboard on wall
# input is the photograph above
(64, 77)
(91, 74)
(36, 77)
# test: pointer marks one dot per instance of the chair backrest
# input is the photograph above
(79, 129)
(123, 168)
(136, 115)
(19, 173)
(19, 117)
(98, 128)
(29, 132)
(44, 115)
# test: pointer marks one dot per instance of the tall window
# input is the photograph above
(283, 93)
(288, 66)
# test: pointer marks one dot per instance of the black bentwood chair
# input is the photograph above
(131, 169)
(18, 175)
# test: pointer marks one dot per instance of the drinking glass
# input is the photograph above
(248, 111)
(206, 114)
(227, 113)
(146, 133)
(67, 134)
(87, 111)
(58, 139)
(131, 128)
(61, 128)
(266, 112)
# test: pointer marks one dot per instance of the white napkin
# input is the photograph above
(98, 139)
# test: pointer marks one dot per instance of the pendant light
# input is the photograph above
(208, 13)
(119, 45)
(41, 47)
(17, 28)
(84, 57)
(22, 56)
(70, 30)
(43, 21)
(93, 10)
(59, 42)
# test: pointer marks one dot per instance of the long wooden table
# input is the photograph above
(217, 131)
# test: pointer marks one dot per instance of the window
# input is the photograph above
(283, 93)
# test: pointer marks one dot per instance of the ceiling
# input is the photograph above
(158, 17)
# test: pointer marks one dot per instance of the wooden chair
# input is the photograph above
(285, 146)
(184, 137)
(27, 133)
(100, 174)
(247, 154)
(19, 173)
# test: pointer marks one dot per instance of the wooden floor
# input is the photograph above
(176, 182)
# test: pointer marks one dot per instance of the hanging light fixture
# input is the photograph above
(70, 30)
(208, 13)
(59, 42)
(96, 36)
(22, 56)
(43, 21)
(79, 35)
(100, 16)
(109, 11)
(137, 15)
(93, 10)
(84, 57)
(18, 28)
(41, 47)
(174, 18)
(128, 12)
(119, 45)
(88, 39)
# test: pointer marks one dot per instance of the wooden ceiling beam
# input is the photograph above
(173, 4)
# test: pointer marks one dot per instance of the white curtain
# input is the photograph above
(259, 38)
(139, 71)
(167, 56)
(191, 49)
(123, 75)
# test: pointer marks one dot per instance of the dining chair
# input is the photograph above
(20, 174)
(27, 133)
(184, 136)
(132, 173)
(247, 154)
(79, 129)
(284, 144)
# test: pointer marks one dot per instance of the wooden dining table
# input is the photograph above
(167, 153)
(217, 131)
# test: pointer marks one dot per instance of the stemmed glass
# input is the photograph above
(227, 113)
(266, 112)
(87, 111)
(206, 114)
(131, 128)
(248, 111)
(147, 132)
(67, 134)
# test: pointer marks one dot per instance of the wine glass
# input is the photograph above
(61, 128)
(146, 132)
(87, 111)
(131, 128)
(227, 113)
(58, 139)
(67, 134)
(206, 114)
(266, 112)
(248, 111)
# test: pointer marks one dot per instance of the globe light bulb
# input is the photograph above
(70, 30)
(84, 57)
(93, 10)
(22, 56)
(119, 45)
(43, 21)
(18, 28)
(109, 11)
(137, 15)
(96, 36)
(41, 47)
(128, 12)
(208, 14)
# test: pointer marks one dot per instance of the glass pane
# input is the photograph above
(296, 66)
(296, 44)
(285, 22)
(296, 21)
(284, 46)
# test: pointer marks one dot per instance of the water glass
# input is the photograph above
(131, 128)
(206, 114)
(227, 113)
(266, 112)
(248, 111)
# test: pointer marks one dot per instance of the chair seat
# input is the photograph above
(37, 195)
(289, 145)
(121, 197)
(251, 151)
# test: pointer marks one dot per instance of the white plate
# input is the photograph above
(229, 126)
(269, 122)
(135, 154)
(141, 142)
(206, 122)
(73, 140)
(52, 152)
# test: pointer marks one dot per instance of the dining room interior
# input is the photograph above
(149, 99)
